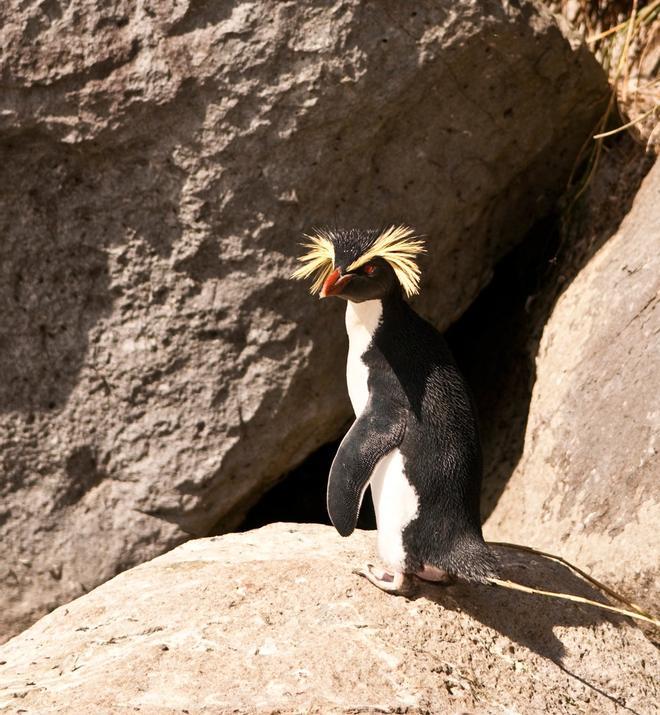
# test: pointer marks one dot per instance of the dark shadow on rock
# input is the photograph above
(492, 343)
(201, 14)
(301, 496)
(618, 701)
(496, 340)
(527, 619)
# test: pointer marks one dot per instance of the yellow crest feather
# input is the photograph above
(399, 246)
(319, 257)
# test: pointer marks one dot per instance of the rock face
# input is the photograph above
(159, 163)
(273, 620)
(587, 483)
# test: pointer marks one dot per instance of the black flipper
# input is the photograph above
(372, 436)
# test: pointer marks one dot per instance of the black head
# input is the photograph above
(362, 265)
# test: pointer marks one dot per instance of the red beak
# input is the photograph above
(335, 283)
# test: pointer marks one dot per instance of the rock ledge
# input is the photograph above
(274, 621)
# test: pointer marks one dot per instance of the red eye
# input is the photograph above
(369, 269)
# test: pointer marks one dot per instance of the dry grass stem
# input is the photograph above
(575, 599)
(628, 124)
(636, 612)
(624, 37)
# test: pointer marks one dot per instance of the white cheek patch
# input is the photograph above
(362, 320)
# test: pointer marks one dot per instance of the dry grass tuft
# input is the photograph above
(624, 35)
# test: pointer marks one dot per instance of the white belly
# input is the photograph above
(396, 505)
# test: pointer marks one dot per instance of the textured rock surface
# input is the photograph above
(587, 483)
(159, 162)
(274, 621)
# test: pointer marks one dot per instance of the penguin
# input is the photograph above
(415, 440)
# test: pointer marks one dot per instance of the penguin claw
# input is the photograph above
(382, 579)
(362, 571)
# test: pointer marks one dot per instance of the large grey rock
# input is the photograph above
(274, 621)
(159, 162)
(587, 483)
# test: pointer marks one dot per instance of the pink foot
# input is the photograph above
(385, 581)
(433, 573)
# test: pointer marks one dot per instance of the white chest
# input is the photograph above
(395, 500)
(362, 320)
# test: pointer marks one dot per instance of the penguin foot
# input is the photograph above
(436, 575)
(384, 580)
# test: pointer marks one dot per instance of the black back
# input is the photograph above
(411, 370)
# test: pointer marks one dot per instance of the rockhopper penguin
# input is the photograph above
(415, 439)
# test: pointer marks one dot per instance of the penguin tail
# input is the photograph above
(471, 559)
